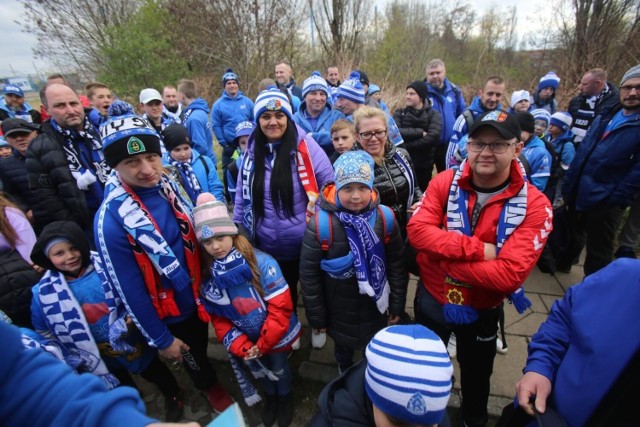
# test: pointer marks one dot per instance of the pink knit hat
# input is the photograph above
(212, 218)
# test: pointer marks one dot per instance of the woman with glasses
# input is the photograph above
(394, 174)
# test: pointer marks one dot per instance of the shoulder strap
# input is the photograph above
(468, 116)
(204, 163)
(324, 229)
(526, 165)
(388, 220)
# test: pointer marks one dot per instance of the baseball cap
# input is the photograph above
(13, 125)
(506, 124)
(149, 94)
(13, 89)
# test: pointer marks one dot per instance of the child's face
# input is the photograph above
(343, 140)
(377, 96)
(242, 143)
(218, 247)
(5, 151)
(555, 131)
(182, 153)
(355, 197)
(101, 100)
(522, 106)
(66, 258)
(540, 127)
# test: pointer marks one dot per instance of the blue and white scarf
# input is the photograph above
(231, 271)
(64, 316)
(513, 213)
(187, 170)
(405, 168)
(368, 257)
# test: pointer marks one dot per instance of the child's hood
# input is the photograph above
(60, 229)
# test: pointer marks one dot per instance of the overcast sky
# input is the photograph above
(16, 52)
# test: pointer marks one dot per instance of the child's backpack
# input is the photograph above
(324, 229)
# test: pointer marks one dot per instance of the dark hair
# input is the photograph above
(281, 180)
(6, 229)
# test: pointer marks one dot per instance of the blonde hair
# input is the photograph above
(365, 112)
(342, 124)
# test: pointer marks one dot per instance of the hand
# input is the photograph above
(29, 215)
(413, 207)
(393, 320)
(252, 353)
(173, 352)
(533, 384)
(490, 252)
(37, 268)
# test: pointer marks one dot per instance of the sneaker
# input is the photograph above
(285, 410)
(318, 339)
(451, 346)
(500, 347)
(269, 410)
(174, 408)
(218, 398)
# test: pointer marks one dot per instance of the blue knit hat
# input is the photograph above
(354, 166)
(373, 89)
(352, 89)
(541, 114)
(562, 119)
(229, 75)
(124, 134)
(272, 99)
(244, 128)
(408, 375)
(315, 82)
(13, 90)
(3, 142)
(550, 79)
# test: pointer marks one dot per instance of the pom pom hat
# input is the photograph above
(212, 218)
(550, 79)
(562, 119)
(272, 99)
(352, 89)
(541, 114)
(228, 76)
(125, 135)
(314, 82)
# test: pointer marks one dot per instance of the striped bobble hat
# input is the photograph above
(550, 79)
(271, 99)
(211, 218)
(562, 119)
(229, 75)
(313, 83)
(541, 114)
(352, 89)
(408, 375)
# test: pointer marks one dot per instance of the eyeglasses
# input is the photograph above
(629, 88)
(496, 147)
(379, 134)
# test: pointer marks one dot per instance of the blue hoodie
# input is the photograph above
(22, 114)
(321, 130)
(199, 127)
(227, 112)
(450, 104)
(540, 161)
(210, 183)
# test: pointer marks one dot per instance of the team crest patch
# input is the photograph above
(416, 405)
(495, 115)
(135, 146)
(207, 232)
(271, 271)
(274, 104)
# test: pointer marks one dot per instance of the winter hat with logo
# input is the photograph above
(124, 134)
(211, 218)
(272, 99)
(244, 128)
(541, 114)
(632, 73)
(13, 90)
(506, 124)
(315, 82)
(175, 135)
(562, 119)
(148, 95)
(550, 79)
(519, 95)
(354, 166)
(352, 89)
(421, 89)
(408, 375)
(229, 75)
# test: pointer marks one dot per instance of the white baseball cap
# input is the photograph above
(149, 94)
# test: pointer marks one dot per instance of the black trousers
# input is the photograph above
(195, 333)
(596, 229)
(291, 273)
(476, 346)
(440, 156)
(156, 373)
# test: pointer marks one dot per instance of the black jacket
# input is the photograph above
(13, 174)
(583, 114)
(351, 318)
(60, 229)
(17, 277)
(412, 122)
(57, 193)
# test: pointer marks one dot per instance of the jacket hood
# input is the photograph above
(199, 104)
(329, 194)
(60, 229)
(225, 95)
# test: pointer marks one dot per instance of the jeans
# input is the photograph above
(278, 363)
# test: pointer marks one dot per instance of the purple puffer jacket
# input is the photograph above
(276, 234)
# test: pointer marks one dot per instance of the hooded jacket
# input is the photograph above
(226, 113)
(199, 128)
(450, 104)
(27, 113)
(412, 122)
(322, 132)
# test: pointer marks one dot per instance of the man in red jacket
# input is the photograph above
(479, 232)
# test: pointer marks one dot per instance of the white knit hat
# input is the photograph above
(519, 95)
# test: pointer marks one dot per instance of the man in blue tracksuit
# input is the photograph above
(488, 100)
(230, 109)
(196, 118)
(446, 98)
(604, 178)
(315, 114)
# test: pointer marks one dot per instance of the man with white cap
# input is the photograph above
(153, 107)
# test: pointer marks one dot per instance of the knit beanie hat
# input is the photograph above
(175, 135)
(421, 89)
(244, 128)
(315, 82)
(526, 121)
(632, 73)
(519, 95)
(3, 142)
(352, 89)
(550, 79)
(562, 119)
(229, 75)
(354, 166)
(124, 134)
(373, 89)
(408, 375)
(211, 218)
(541, 114)
(364, 79)
(272, 99)
(51, 243)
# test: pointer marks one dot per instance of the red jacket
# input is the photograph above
(442, 253)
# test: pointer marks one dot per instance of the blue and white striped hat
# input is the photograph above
(315, 82)
(271, 99)
(352, 89)
(408, 374)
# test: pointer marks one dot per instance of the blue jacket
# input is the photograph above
(574, 347)
(540, 161)
(38, 390)
(96, 119)
(606, 167)
(322, 131)
(199, 128)
(226, 113)
(450, 104)
(28, 114)
(564, 148)
(209, 182)
(550, 104)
